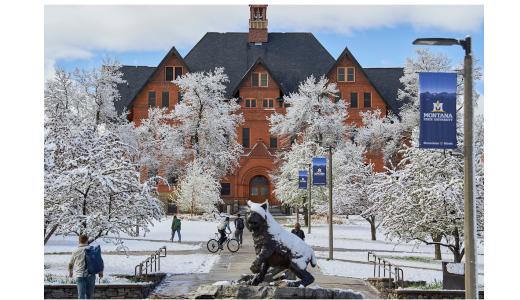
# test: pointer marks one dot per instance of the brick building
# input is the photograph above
(262, 67)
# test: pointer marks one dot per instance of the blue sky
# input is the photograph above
(379, 36)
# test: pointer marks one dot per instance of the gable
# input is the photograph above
(347, 59)
(291, 57)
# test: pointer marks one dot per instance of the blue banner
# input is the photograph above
(302, 180)
(438, 120)
(319, 171)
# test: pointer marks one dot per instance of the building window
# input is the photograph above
(351, 77)
(259, 80)
(273, 142)
(169, 73)
(263, 79)
(250, 103)
(353, 100)
(268, 103)
(245, 137)
(367, 100)
(341, 74)
(151, 99)
(225, 189)
(178, 72)
(165, 99)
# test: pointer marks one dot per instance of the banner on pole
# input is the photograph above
(302, 180)
(319, 171)
(438, 109)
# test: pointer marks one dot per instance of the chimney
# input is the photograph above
(257, 23)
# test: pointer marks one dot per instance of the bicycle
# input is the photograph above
(231, 243)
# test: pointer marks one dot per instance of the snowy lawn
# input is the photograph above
(122, 264)
(415, 259)
(159, 235)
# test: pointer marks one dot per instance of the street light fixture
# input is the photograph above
(469, 203)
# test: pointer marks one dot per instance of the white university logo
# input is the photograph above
(437, 106)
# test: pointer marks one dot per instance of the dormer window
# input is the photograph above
(171, 73)
(346, 74)
(259, 80)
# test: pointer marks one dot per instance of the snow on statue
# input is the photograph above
(276, 247)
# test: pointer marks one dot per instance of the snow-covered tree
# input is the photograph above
(355, 184)
(380, 134)
(97, 190)
(285, 178)
(154, 144)
(91, 183)
(199, 189)
(314, 113)
(99, 93)
(206, 121)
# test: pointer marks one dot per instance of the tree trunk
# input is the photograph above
(372, 221)
(373, 230)
(305, 216)
(437, 238)
(49, 234)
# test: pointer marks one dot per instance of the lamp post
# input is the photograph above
(469, 203)
(309, 185)
(331, 240)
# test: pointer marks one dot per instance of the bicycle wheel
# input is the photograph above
(212, 245)
(233, 245)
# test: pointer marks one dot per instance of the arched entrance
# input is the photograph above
(259, 189)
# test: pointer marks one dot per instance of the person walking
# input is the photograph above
(176, 227)
(221, 227)
(77, 266)
(239, 228)
(297, 231)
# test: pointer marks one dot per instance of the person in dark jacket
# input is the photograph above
(297, 231)
(239, 228)
(176, 227)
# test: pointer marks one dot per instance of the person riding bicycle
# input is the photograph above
(222, 226)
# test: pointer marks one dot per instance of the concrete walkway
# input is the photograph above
(231, 266)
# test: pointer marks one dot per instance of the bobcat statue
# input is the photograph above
(276, 247)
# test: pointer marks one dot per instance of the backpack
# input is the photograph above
(221, 225)
(240, 224)
(93, 259)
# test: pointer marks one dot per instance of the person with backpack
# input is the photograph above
(239, 228)
(85, 263)
(221, 227)
(176, 227)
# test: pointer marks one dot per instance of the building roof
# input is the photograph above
(386, 81)
(135, 77)
(291, 57)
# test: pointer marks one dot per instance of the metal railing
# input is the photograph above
(153, 262)
(398, 274)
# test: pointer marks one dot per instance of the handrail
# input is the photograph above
(398, 271)
(153, 261)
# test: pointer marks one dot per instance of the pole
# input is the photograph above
(469, 203)
(309, 184)
(331, 242)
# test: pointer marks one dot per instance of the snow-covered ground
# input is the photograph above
(194, 232)
(122, 264)
(352, 239)
(159, 235)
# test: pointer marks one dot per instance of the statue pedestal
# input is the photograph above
(243, 291)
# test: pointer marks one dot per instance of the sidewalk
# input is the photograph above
(231, 266)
